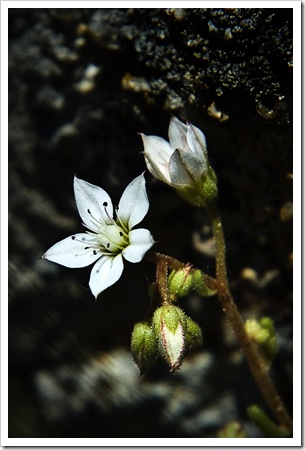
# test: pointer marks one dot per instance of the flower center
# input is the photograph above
(112, 238)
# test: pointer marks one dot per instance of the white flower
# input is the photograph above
(181, 162)
(108, 239)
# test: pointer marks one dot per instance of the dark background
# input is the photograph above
(82, 84)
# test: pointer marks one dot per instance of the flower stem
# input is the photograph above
(256, 363)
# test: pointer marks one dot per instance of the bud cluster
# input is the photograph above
(169, 335)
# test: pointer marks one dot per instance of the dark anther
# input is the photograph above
(105, 204)
(89, 211)
(86, 248)
(121, 234)
(73, 238)
(108, 245)
(94, 252)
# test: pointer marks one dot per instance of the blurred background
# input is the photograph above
(82, 84)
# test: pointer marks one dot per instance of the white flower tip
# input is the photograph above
(144, 138)
(75, 180)
(175, 119)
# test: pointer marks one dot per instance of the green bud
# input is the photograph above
(169, 324)
(263, 333)
(180, 283)
(193, 334)
(202, 192)
(198, 283)
(144, 346)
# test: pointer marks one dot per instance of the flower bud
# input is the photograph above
(193, 334)
(169, 323)
(199, 284)
(263, 333)
(180, 283)
(182, 162)
(144, 347)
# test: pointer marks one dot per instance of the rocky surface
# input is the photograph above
(82, 84)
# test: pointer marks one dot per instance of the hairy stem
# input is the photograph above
(255, 361)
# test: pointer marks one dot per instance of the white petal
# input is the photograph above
(180, 176)
(74, 251)
(197, 143)
(159, 171)
(186, 167)
(134, 203)
(105, 272)
(157, 152)
(177, 134)
(91, 201)
(172, 345)
(140, 242)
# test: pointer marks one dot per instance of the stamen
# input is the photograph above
(119, 227)
(83, 239)
(105, 204)
(122, 226)
(99, 221)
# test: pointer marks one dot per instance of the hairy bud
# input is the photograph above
(169, 323)
(198, 283)
(144, 346)
(180, 283)
(193, 334)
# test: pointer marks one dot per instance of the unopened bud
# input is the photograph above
(144, 346)
(199, 284)
(169, 323)
(180, 282)
(193, 334)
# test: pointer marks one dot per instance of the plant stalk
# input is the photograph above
(256, 363)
